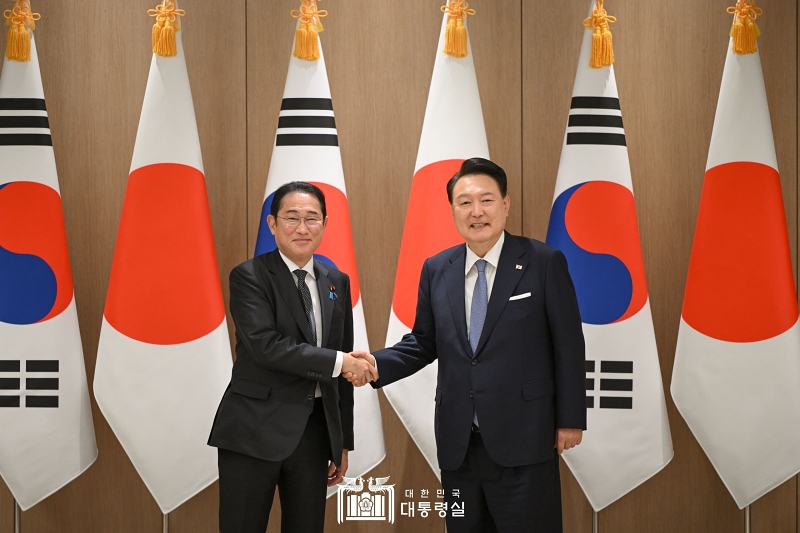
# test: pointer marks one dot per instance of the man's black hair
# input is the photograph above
(479, 165)
(297, 186)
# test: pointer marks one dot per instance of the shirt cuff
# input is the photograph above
(337, 367)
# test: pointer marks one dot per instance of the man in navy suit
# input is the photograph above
(501, 316)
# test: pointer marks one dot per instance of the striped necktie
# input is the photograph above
(308, 305)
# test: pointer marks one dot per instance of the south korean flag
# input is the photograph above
(593, 221)
(307, 148)
(46, 431)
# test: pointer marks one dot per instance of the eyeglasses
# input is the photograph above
(293, 222)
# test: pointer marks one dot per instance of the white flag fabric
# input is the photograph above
(47, 437)
(307, 148)
(452, 131)
(736, 379)
(593, 221)
(164, 358)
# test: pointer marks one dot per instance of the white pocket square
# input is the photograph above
(520, 297)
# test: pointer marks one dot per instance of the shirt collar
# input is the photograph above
(492, 256)
(309, 267)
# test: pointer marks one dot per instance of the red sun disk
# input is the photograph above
(337, 242)
(32, 222)
(740, 286)
(428, 230)
(164, 287)
(601, 218)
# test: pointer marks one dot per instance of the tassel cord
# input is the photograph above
(455, 36)
(602, 42)
(306, 37)
(164, 30)
(745, 30)
(20, 20)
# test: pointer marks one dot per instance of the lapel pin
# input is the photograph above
(519, 267)
(332, 294)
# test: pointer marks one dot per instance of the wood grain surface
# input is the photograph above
(6, 509)
(379, 57)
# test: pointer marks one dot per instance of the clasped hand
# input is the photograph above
(359, 368)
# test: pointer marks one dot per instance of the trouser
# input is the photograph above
(247, 484)
(494, 498)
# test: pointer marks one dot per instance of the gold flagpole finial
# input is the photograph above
(455, 35)
(744, 30)
(306, 44)
(22, 20)
(167, 23)
(602, 45)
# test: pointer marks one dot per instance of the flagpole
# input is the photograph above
(747, 519)
(16, 517)
(595, 528)
(165, 527)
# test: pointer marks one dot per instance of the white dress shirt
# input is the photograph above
(492, 257)
(311, 282)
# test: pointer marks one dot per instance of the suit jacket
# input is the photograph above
(527, 376)
(264, 410)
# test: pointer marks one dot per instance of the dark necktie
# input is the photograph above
(308, 305)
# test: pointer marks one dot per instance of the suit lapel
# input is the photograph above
(454, 278)
(288, 291)
(323, 287)
(505, 280)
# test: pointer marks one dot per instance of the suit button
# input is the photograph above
(310, 397)
(471, 395)
(474, 362)
(310, 373)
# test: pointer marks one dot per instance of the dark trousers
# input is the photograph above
(525, 499)
(247, 485)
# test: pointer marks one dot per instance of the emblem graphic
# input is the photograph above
(356, 503)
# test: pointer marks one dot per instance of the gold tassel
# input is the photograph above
(745, 30)
(164, 39)
(608, 46)
(301, 42)
(20, 20)
(602, 43)
(596, 61)
(455, 34)
(306, 39)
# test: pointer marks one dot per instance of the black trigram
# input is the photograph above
(41, 387)
(595, 120)
(23, 122)
(616, 384)
(306, 122)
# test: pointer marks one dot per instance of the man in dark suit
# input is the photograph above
(286, 419)
(501, 316)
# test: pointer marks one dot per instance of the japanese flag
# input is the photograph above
(452, 131)
(736, 379)
(164, 357)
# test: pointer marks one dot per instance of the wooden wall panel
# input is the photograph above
(216, 60)
(776, 511)
(6, 509)
(549, 59)
(94, 83)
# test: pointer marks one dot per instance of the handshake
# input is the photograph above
(359, 368)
